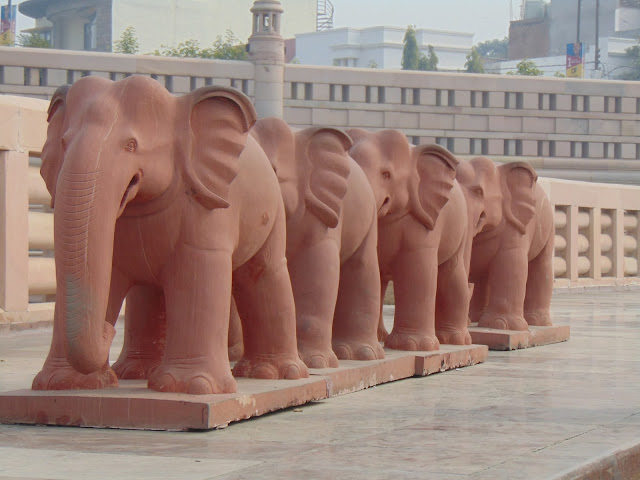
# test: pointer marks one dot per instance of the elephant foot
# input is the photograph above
(382, 332)
(539, 319)
(501, 321)
(358, 350)
(134, 367)
(412, 342)
(271, 367)
(236, 351)
(453, 336)
(187, 377)
(318, 358)
(59, 375)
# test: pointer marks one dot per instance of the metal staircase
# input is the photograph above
(325, 15)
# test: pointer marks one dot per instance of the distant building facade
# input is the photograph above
(547, 27)
(96, 24)
(379, 47)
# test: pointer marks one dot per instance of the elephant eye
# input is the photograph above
(478, 191)
(386, 175)
(131, 146)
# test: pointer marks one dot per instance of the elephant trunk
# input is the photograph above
(84, 230)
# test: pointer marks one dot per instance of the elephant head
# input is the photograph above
(498, 193)
(127, 148)
(405, 179)
(312, 166)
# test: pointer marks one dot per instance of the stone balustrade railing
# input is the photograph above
(38, 72)
(556, 123)
(597, 225)
(597, 232)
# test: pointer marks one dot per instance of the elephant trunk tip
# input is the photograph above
(88, 357)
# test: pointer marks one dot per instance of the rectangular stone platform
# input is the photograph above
(133, 406)
(514, 340)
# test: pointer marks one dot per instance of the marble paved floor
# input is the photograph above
(531, 414)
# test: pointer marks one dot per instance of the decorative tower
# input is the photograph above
(266, 51)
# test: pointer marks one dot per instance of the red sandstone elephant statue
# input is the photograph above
(174, 194)
(511, 259)
(331, 254)
(331, 242)
(422, 230)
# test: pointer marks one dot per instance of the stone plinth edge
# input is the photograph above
(133, 406)
(514, 340)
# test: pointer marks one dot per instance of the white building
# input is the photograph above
(97, 24)
(380, 46)
(614, 61)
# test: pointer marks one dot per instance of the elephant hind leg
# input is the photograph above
(262, 289)
(452, 303)
(537, 301)
(479, 298)
(382, 330)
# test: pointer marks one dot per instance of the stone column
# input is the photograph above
(266, 51)
(14, 231)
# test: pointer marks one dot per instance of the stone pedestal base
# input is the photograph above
(133, 406)
(514, 340)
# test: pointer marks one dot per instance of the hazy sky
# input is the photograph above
(487, 19)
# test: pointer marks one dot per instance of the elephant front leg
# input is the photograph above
(357, 313)
(145, 330)
(452, 303)
(315, 273)
(414, 283)
(506, 282)
(197, 288)
(262, 289)
(57, 373)
(537, 301)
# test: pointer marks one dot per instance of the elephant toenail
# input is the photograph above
(200, 386)
(292, 373)
(265, 371)
(166, 383)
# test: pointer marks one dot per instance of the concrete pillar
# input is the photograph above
(14, 231)
(266, 51)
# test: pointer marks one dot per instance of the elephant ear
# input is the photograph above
(276, 139)
(326, 150)
(431, 187)
(219, 121)
(52, 149)
(357, 134)
(518, 182)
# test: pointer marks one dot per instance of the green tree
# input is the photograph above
(633, 73)
(227, 48)
(33, 40)
(495, 49)
(372, 64)
(527, 68)
(128, 42)
(410, 52)
(428, 62)
(474, 62)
